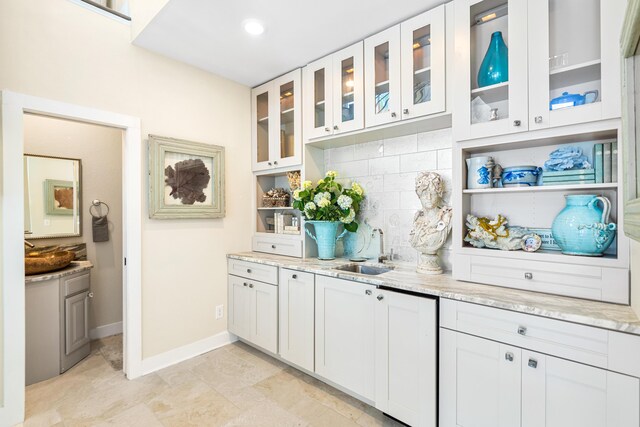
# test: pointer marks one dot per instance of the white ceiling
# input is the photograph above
(208, 34)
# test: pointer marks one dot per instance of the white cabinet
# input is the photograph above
(405, 69)
(253, 312)
(276, 125)
(344, 333)
(554, 46)
(296, 314)
(334, 93)
(405, 357)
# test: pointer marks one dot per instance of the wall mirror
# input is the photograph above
(631, 118)
(52, 197)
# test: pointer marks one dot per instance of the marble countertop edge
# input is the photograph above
(616, 317)
(73, 268)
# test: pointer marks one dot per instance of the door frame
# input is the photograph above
(13, 106)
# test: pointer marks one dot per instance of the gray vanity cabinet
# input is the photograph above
(57, 325)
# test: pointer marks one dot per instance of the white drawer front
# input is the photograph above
(554, 337)
(595, 283)
(273, 245)
(252, 270)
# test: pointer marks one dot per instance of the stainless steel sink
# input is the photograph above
(369, 270)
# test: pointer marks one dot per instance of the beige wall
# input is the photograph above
(100, 150)
(55, 49)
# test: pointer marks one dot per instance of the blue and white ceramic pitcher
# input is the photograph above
(479, 172)
(582, 227)
(325, 237)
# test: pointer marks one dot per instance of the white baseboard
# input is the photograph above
(105, 331)
(171, 357)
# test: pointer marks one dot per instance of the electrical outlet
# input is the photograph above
(219, 311)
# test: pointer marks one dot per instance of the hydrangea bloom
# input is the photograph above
(296, 195)
(310, 206)
(345, 202)
(357, 189)
(349, 218)
(324, 203)
(332, 174)
(307, 185)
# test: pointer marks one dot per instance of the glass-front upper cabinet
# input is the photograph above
(276, 123)
(490, 68)
(334, 93)
(382, 77)
(574, 61)
(423, 63)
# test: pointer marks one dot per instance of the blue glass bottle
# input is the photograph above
(495, 65)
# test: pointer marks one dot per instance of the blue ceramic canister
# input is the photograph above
(521, 176)
(582, 227)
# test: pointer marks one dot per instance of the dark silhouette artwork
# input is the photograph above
(188, 179)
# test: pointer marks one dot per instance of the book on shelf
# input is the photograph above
(586, 173)
(614, 162)
(598, 164)
(606, 161)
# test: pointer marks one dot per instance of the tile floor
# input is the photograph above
(235, 385)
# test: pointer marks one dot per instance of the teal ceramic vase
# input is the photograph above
(495, 65)
(326, 236)
(582, 227)
(350, 243)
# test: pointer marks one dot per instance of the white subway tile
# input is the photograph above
(356, 168)
(400, 181)
(444, 159)
(368, 150)
(372, 183)
(398, 218)
(342, 154)
(435, 140)
(384, 165)
(409, 200)
(415, 162)
(401, 145)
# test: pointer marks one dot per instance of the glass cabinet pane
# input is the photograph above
(347, 89)
(422, 65)
(574, 53)
(381, 53)
(489, 61)
(262, 125)
(318, 98)
(287, 121)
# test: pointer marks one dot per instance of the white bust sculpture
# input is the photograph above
(432, 224)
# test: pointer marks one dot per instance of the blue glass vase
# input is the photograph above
(495, 65)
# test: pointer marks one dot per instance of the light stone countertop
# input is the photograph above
(591, 313)
(73, 268)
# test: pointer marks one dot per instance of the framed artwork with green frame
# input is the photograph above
(60, 197)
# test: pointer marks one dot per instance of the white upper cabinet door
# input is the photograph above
(345, 342)
(317, 98)
(480, 382)
(406, 357)
(286, 139)
(260, 127)
(423, 64)
(296, 313)
(348, 89)
(382, 88)
(483, 108)
(574, 49)
(561, 393)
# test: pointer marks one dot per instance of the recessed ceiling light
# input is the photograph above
(253, 27)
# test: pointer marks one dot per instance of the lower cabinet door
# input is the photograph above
(345, 334)
(296, 294)
(76, 314)
(264, 316)
(561, 393)
(480, 382)
(406, 357)
(240, 296)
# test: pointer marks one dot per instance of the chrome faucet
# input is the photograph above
(29, 244)
(382, 256)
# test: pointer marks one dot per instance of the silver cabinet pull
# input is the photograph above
(251, 285)
(380, 297)
(273, 246)
(269, 163)
(393, 114)
(245, 284)
(335, 127)
(538, 119)
(249, 270)
(327, 129)
(533, 363)
(294, 276)
(405, 111)
(275, 163)
(528, 276)
(508, 356)
(522, 330)
(367, 292)
(517, 123)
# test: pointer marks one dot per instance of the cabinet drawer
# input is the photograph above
(580, 281)
(554, 337)
(76, 284)
(274, 245)
(253, 270)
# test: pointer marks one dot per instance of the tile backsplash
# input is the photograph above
(387, 170)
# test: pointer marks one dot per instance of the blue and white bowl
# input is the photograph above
(521, 176)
